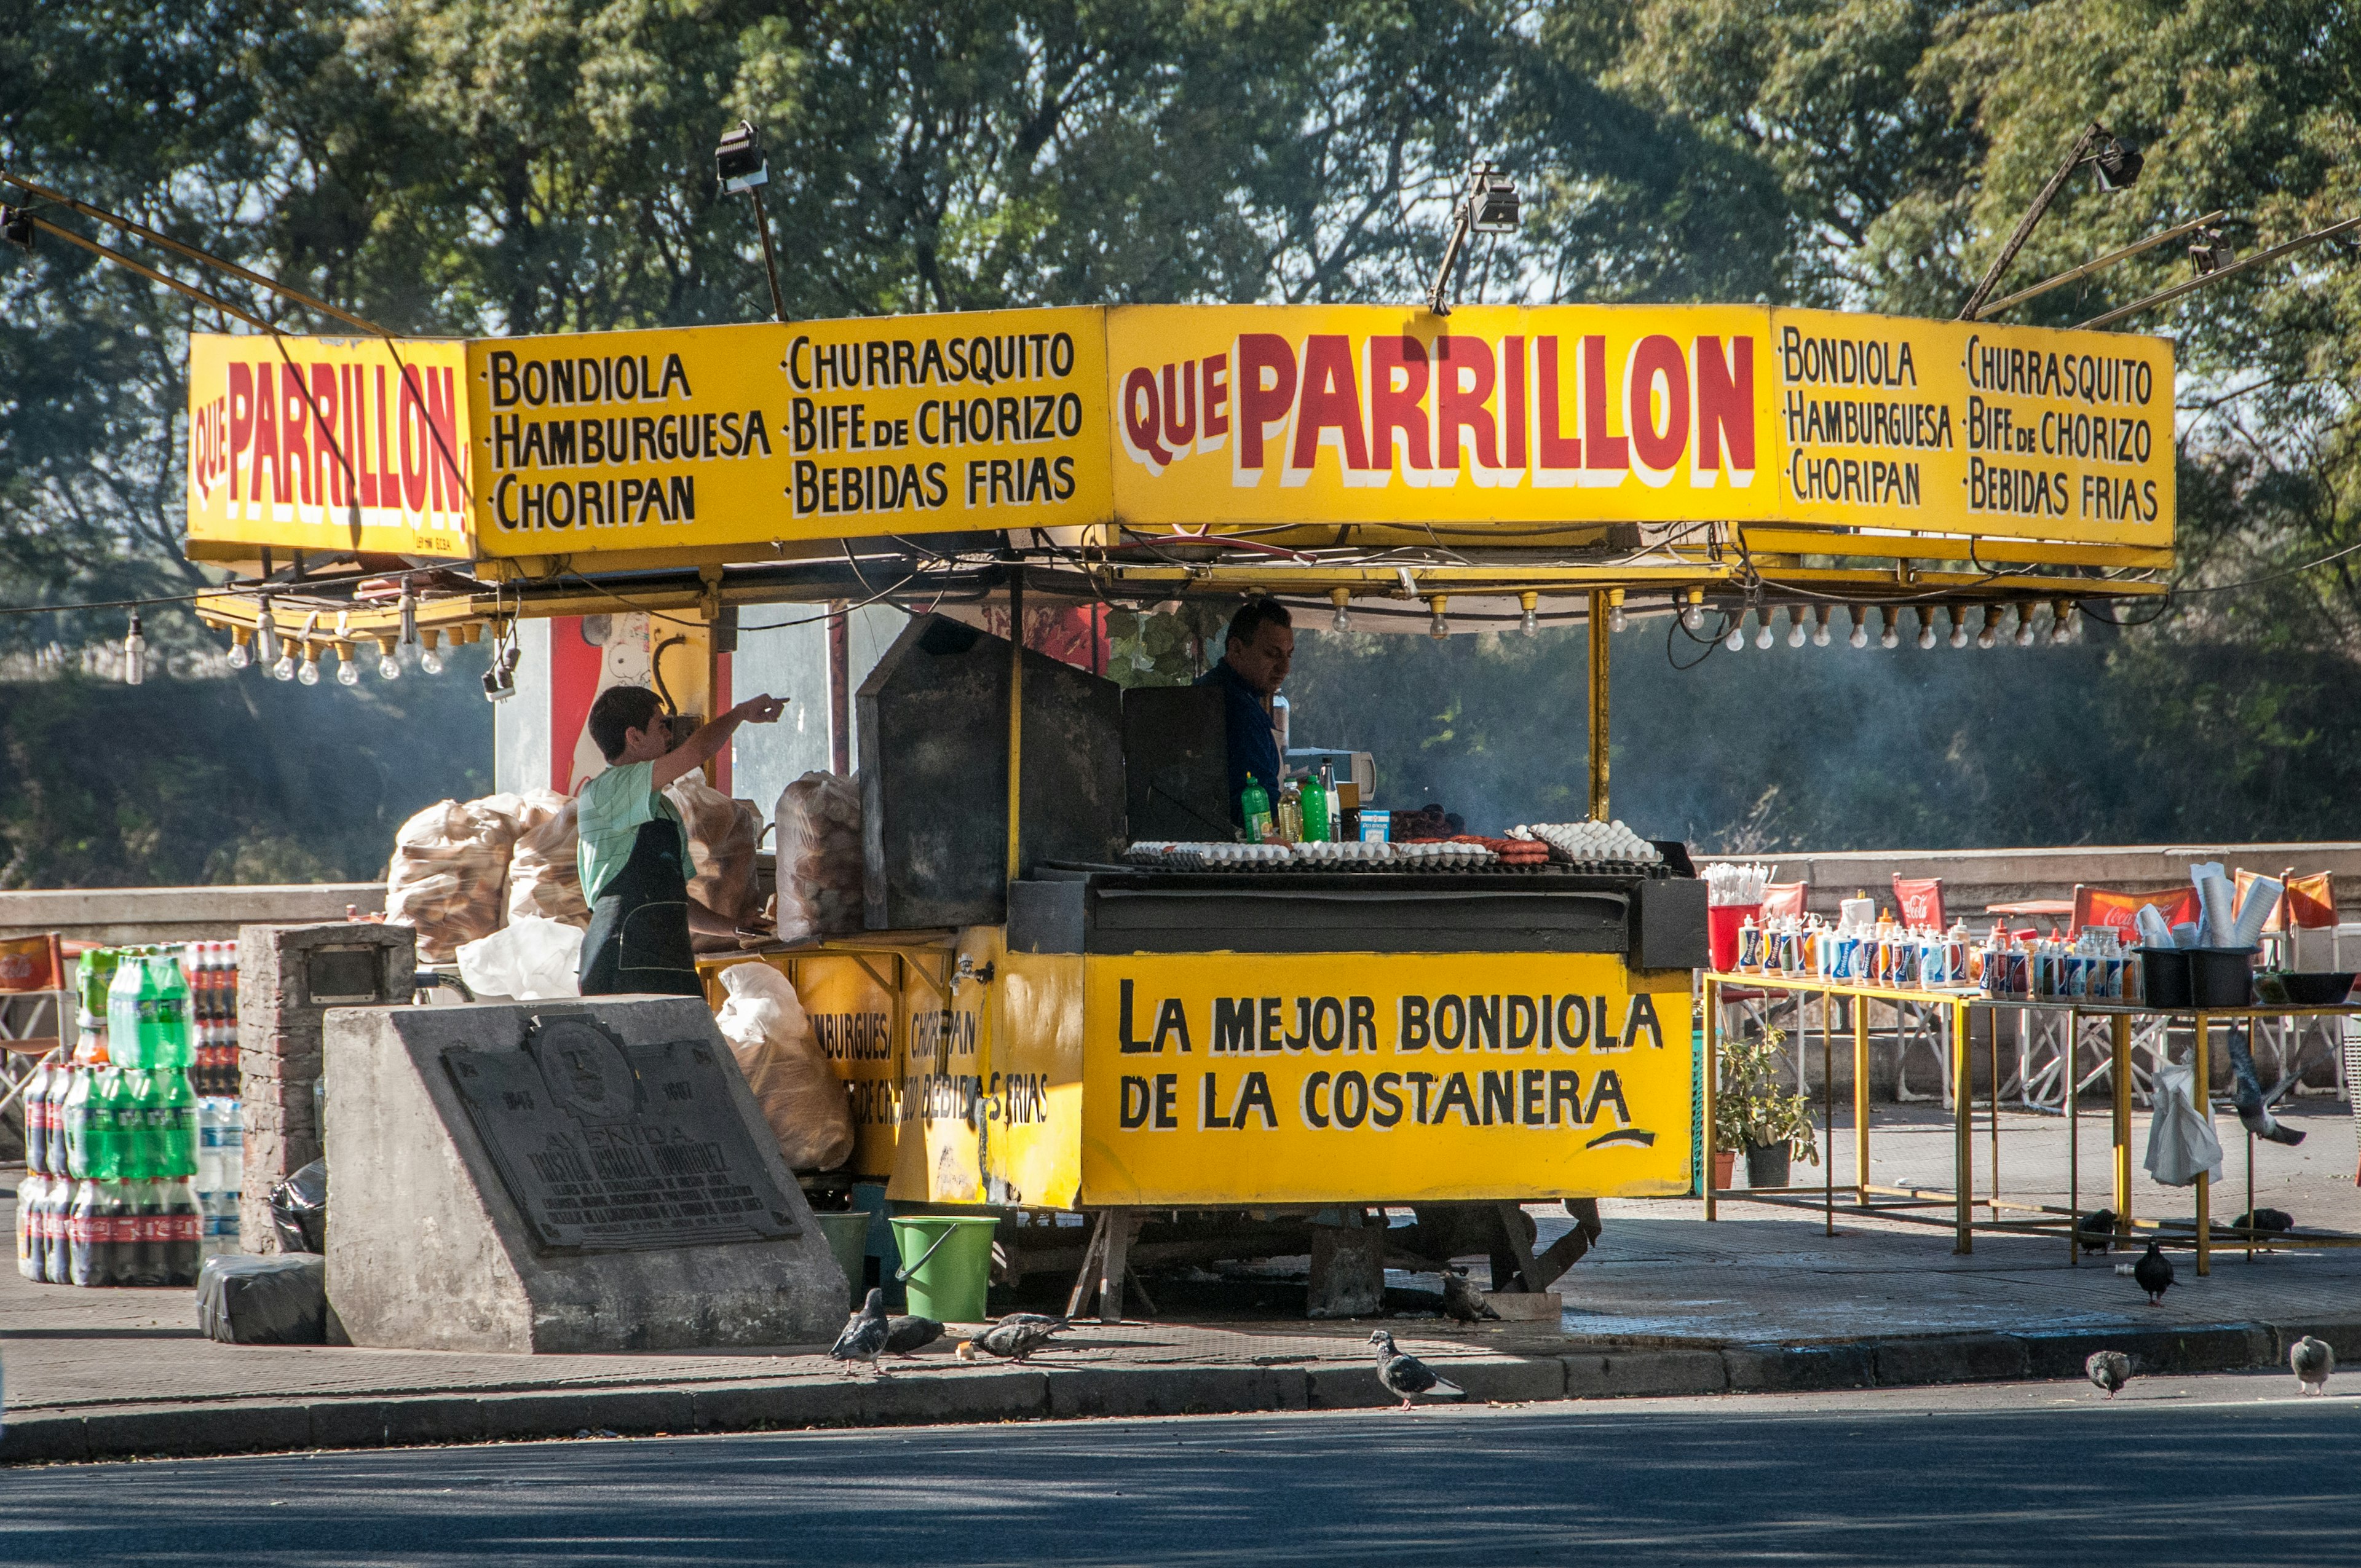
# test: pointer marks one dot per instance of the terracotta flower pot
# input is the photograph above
(1725, 1168)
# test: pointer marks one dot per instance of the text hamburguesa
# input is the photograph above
(522, 444)
(1431, 1029)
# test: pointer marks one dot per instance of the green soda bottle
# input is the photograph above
(103, 1142)
(169, 1044)
(176, 1143)
(1316, 828)
(140, 1123)
(124, 1045)
(1253, 804)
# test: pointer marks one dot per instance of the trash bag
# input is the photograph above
(723, 838)
(298, 1210)
(2180, 1141)
(449, 863)
(545, 870)
(280, 1300)
(806, 1105)
(819, 858)
(526, 960)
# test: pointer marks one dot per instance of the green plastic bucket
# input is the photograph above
(848, 1238)
(948, 1259)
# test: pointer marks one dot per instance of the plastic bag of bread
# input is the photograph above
(819, 858)
(450, 863)
(723, 836)
(545, 872)
(805, 1103)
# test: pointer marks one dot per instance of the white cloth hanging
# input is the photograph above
(2180, 1141)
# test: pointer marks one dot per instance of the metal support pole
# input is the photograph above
(770, 268)
(1963, 1121)
(2120, 1077)
(2073, 1148)
(1828, 1115)
(1859, 1102)
(1598, 714)
(1993, 1019)
(1712, 1070)
(2083, 148)
(1015, 712)
(2204, 1096)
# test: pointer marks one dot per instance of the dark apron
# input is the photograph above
(638, 939)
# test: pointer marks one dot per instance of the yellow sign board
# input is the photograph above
(736, 434)
(1358, 1077)
(1263, 415)
(1181, 416)
(330, 443)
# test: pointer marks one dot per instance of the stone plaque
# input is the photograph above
(608, 1147)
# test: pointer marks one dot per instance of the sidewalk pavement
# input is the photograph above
(1762, 1300)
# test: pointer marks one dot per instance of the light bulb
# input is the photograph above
(135, 655)
(1439, 629)
(1531, 623)
(1693, 617)
(1820, 626)
(1891, 636)
(1737, 638)
(1763, 629)
(1958, 626)
(283, 667)
(409, 637)
(348, 673)
(388, 668)
(1925, 627)
(266, 637)
(241, 654)
(1796, 626)
(307, 671)
(1616, 619)
(1859, 637)
(429, 661)
(1343, 601)
(1989, 633)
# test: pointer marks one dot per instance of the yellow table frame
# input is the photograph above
(1958, 1004)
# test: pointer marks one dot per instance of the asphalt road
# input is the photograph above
(2207, 1471)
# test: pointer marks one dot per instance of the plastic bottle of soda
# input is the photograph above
(184, 1231)
(86, 1263)
(169, 1039)
(176, 1144)
(114, 1122)
(139, 1115)
(123, 1042)
(31, 1193)
(143, 1203)
(51, 1221)
(73, 1122)
(36, 1121)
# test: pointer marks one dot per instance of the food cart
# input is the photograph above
(1031, 1021)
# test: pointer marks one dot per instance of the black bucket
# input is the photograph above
(2222, 977)
(2164, 978)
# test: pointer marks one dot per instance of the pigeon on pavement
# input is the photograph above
(864, 1334)
(2312, 1362)
(904, 1335)
(2154, 1272)
(1463, 1301)
(2096, 1230)
(2109, 1370)
(1409, 1377)
(1038, 1319)
(1015, 1338)
(2265, 1221)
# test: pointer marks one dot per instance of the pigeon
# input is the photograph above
(2313, 1361)
(2108, 1370)
(2154, 1272)
(1408, 1376)
(2265, 1221)
(1012, 1338)
(1463, 1301)
(2096, 1230)
(864, 1334)
(904, 1335)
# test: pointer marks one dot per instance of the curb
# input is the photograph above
(1039, 1392)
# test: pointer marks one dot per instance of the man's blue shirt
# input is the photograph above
(1254, 748)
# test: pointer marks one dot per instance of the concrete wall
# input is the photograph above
(116, 915)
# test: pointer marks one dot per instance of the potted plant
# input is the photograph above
(1753, 1113)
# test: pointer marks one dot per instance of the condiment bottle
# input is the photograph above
(1253, 804)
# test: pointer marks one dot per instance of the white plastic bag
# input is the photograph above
(545, 870)
(723, 838)
(804, 1102)
(449, 863)
(2180, 1141)
(526, 960)
(819, 858)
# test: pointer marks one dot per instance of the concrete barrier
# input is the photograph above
(120, 916)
